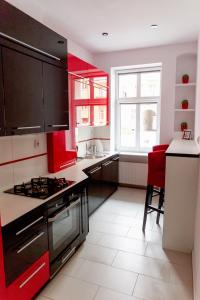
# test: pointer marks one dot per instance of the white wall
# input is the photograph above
(40, 15)
(14, 148)
(196, 252)
(197, 119)
(165, 55)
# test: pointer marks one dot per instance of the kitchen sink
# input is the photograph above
(92, 156)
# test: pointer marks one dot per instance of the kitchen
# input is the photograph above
(66, 161)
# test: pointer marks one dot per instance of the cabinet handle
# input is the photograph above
(28, 226)
(26, 127)
(56, 217)
(31, 242)
(94, 170)
(32, 275)
(57, 125)
(116, 158)
(107, 163)
(27, 45)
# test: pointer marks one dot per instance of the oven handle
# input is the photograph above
(56, 217)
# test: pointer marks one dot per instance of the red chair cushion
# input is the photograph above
(160, 147)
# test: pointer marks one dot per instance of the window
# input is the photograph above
(137, 109)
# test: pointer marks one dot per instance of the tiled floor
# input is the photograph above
(117, 262)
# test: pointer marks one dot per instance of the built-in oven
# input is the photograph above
(64, 225)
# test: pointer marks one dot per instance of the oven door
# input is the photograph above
(64, 226)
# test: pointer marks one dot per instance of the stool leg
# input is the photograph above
(149, 193)
(160, 204)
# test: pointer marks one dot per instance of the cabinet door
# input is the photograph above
(1, 98)
(23, 93)
(55, 98)
(95, 195)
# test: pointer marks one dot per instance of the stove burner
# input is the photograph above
(41, 187)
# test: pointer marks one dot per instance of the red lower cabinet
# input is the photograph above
(31, 281)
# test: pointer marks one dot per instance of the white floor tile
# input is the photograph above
(102, 216)
(156, 251)
(106, 294)
(108, 228)
(151, 289)
(124, 244)
(106, 276)
(143, 265)
(67, 288)
(94, 237)
(97, 253)
(72, 266)
(149, 236)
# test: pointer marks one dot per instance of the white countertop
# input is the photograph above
(14, 206)
(182, 147)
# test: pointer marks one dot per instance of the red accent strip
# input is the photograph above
(21, 159)
(102, 139)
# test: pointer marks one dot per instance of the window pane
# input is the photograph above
(83, 115)
(148, 125)
(100, 87)
(128, 125)
(100, 115)
(82, 88)
(127, 85)
(150, 84)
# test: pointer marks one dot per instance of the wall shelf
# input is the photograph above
(185, 84)
(185, 110)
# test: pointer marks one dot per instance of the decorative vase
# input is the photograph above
(184, 104)
(185, 78)
(184, 126)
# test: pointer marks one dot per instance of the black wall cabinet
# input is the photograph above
(23, 93)
(33, 76)
(1, 98)
(55, 98)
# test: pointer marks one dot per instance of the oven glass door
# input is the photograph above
(64, 227)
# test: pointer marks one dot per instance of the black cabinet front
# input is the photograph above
(95, 195)
(55, 98)
(23, 92)
(1, 97)
(103, 182)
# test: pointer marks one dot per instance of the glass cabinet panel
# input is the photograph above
(100, 90)
(100, 115)
(82, 116)
(82, 88)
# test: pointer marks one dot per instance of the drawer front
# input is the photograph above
(31, 281)
(18, 257)
(19, 230)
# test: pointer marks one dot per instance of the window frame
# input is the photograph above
(138, 100)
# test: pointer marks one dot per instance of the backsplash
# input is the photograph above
(99, 136)
(22, 157)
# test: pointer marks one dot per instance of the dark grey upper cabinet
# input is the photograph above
(17, 24)
(1, 99)
(23, 93)
(55, 98)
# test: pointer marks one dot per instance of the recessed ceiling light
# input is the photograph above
(105, 33)
(154, 26)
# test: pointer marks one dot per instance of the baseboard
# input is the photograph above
(135, 186)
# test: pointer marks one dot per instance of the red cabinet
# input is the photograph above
(88, 94)
(31, 281)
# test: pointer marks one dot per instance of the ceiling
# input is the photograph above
(127, 21)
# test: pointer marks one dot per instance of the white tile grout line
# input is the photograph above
(135, 285)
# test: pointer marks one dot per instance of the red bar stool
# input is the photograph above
(155, 184)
